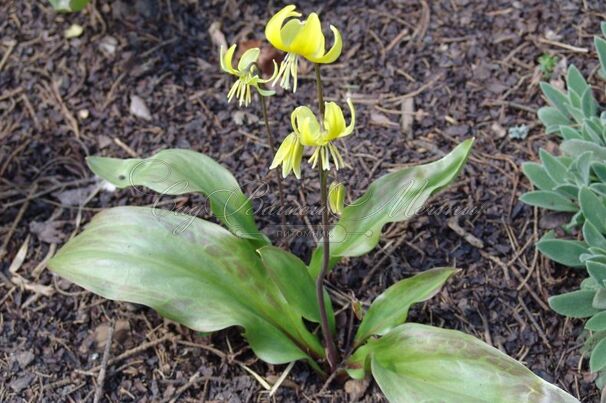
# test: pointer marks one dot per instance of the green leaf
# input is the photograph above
(555, 96)
(575, 304)
(577, 147)
(568, 133)
(390, 309)
(597, 361)
(588, 104)
(552, 118)
(599, 299)
(197, 274)
(599, 169)
(394, 197)
(175, 172)
(597, 322)
(549, 199)
(69, 5)
(592, 236)
(419, 363)
(538, 176)
(575, 81)
(554, 167)
(294, 281)
(563, 251)
(593, 209)
(600, 45)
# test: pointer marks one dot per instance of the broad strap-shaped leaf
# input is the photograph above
(396, 196)
(390, 309)
(563, 251)
(69, 5)
(189, 270)
(175, 172)
(294, 281)
(552, 118)
(415, 363)
(597, 271)
(575, 304)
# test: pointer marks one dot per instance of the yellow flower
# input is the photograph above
(247, 73)
(336, 197)
(311, 134)
(299, 38)
(289, 155)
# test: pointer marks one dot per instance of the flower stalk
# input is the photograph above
(272, 146)
(331, 349)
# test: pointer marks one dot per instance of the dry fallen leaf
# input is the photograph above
(377, 118)
(216, 36)
(48, 231)
(408, 116)
(139, 108)
(73, 31)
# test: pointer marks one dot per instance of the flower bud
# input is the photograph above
(336, 197)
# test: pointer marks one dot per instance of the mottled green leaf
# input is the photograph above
(394, 197)
(390, 309)
(292, 277)
(69, 5)
(575, 304)
(175, 172)
(418, 363)
(197, 274)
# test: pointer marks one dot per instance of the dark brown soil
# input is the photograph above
(472, 69)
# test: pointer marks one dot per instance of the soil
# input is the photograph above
(470, 68)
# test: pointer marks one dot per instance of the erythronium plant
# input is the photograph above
(209, 278)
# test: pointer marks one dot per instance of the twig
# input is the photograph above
(104, 362)
(11, 46)
(563, 45)
(16, 221)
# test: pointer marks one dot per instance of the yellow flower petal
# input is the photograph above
(334, 52)
(249, 57)
(289, 32)
(349, 129)
(282, 151)
(274, 26)
(334, 122)
(226, 60)
(306, 125)
(309, 41)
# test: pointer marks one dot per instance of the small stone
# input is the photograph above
(73, 31)
(138, 108)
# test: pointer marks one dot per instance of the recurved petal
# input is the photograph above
(226, 60)
(334, 52)
(352, 124)
(248, 58)
(334, 122)
(297, 156)
(309, 41)
(274, 26)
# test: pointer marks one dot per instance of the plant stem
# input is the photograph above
(331, 349)
(272, 146)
